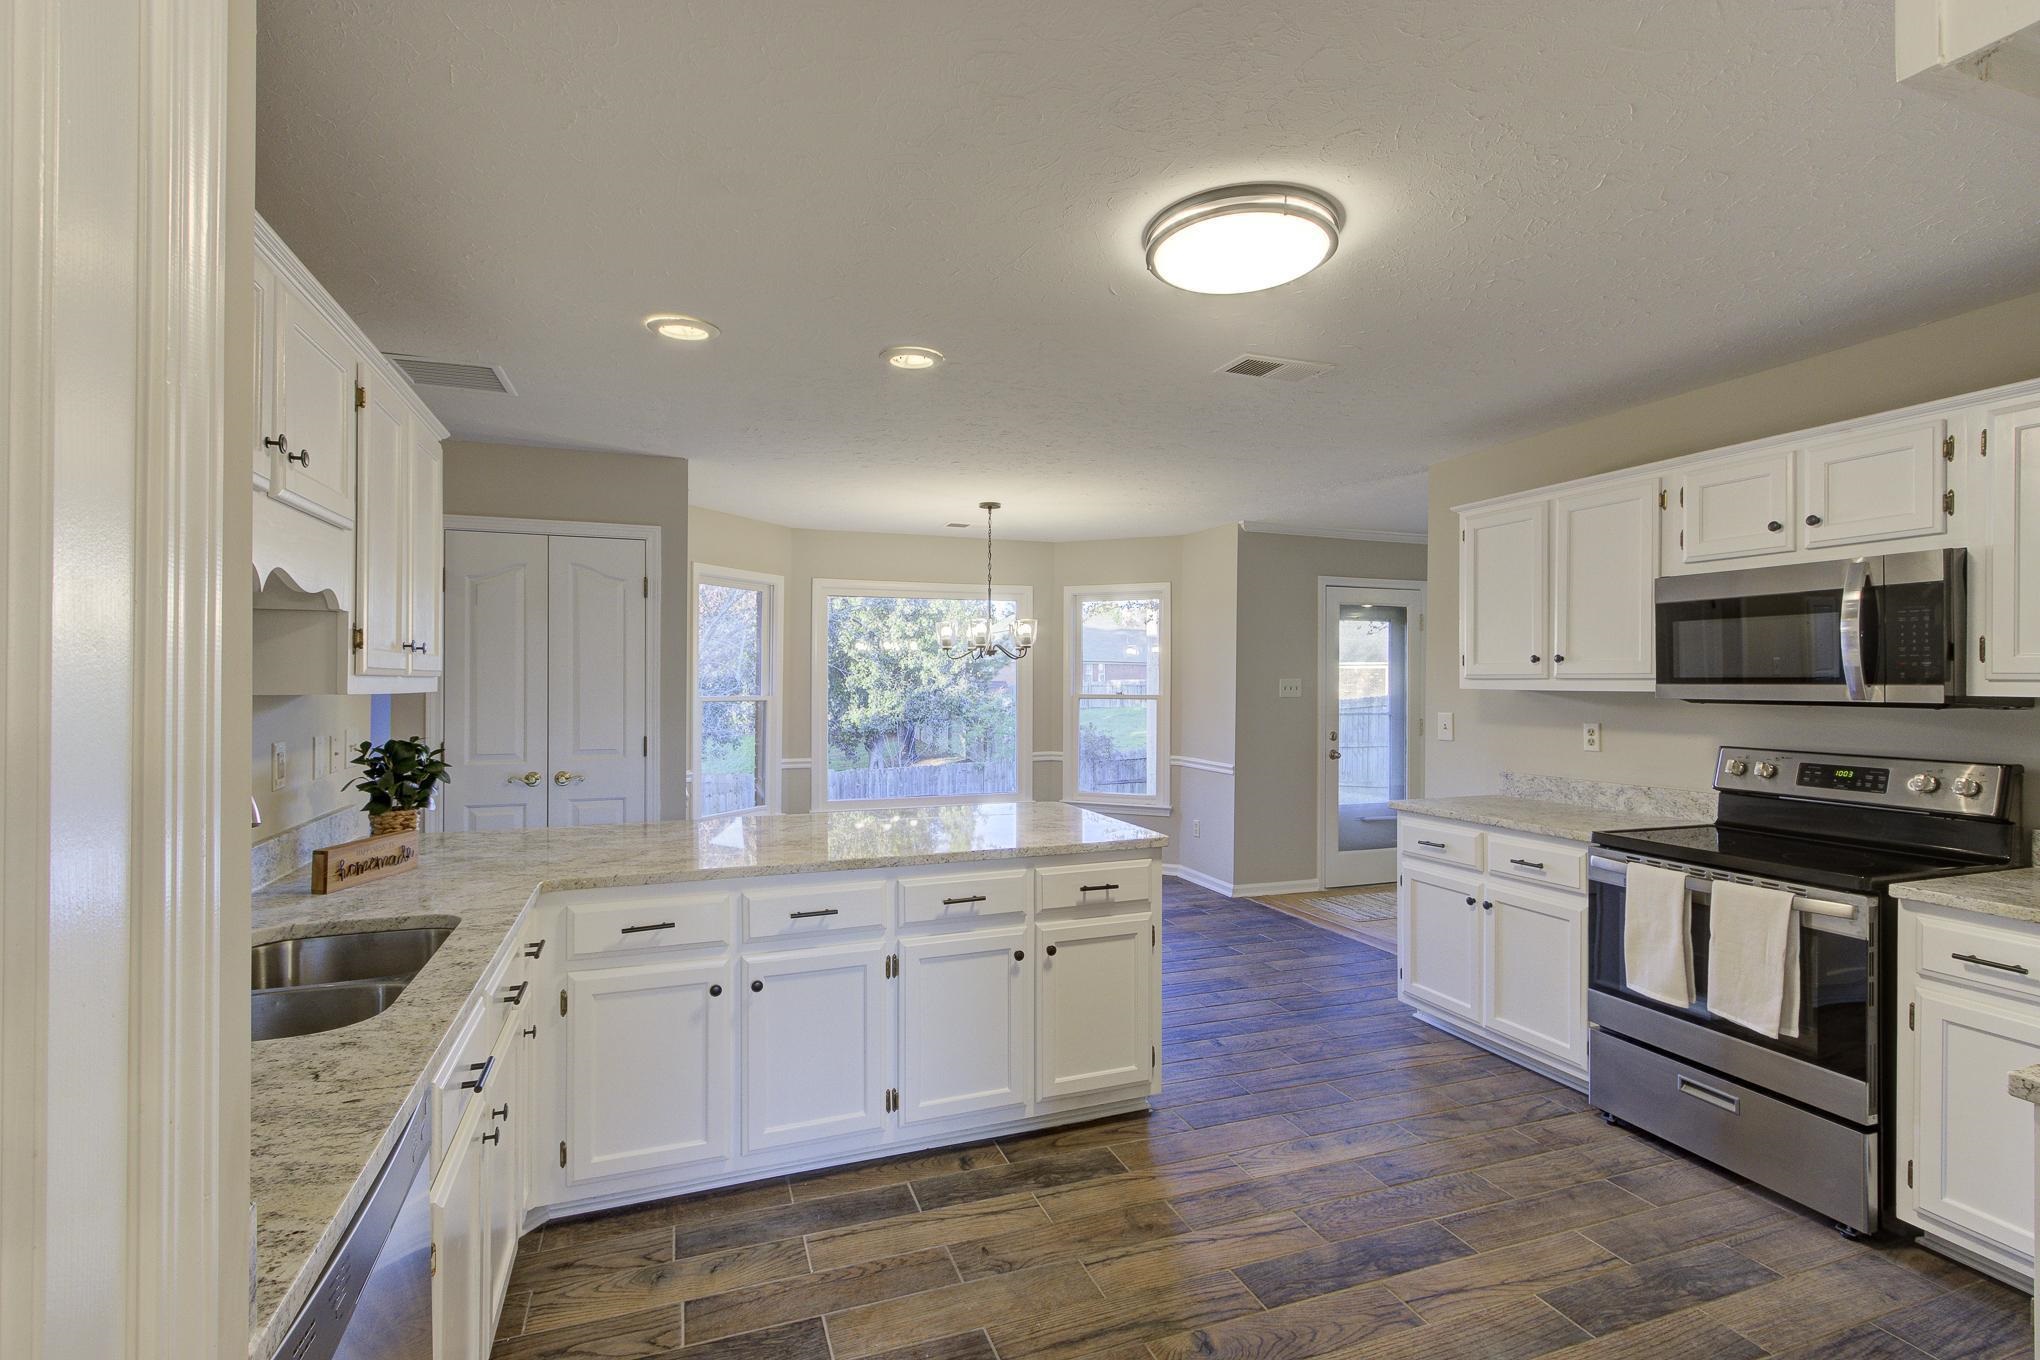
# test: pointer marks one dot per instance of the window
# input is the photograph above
(898, 721)
(736, 669)
(1116, 738)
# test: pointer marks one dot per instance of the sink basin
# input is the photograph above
(286, 1012)
(368, 955)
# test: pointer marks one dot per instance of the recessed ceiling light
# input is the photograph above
(1243, 238)
(911, 356)
(674, 327)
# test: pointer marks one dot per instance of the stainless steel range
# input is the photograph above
(1804, 1115)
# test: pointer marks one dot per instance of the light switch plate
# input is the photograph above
(1443, 726)
(1289, 689)
(336, 760)
(279, 766)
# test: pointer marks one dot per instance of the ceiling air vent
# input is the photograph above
(441, 373)
(1282, 370)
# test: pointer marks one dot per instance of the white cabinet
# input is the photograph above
(1737, 507)
(315, 405)
(462, 1327)
(506, 1115)
(814, 1039)
(1504, 593)
(966, 1024)
(1870, 485)
(264, 451)
(2008, 617)
(647, 1068)
(1093, 1004)
(397, 553)
(1604, 551)
(1533, 966)
(425, 560)
(1440, 939)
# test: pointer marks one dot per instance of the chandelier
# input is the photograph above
(978, 641)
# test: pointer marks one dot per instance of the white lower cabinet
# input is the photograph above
(1440, 935)
(505, 1113)
(1534, 963)
(647, 1068)
(815, 1030)
(1092, 1005)
(966, 1024)
(462, 1324)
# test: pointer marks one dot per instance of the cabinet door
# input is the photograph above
(1503, 588)
(1975, 1138)
(1092, 1005)
(460, 1246)
(1604, 557)
(315, 409)
(1533, 961)
(506, 1114)
(264, 362)
(2010, 637)
(1741, 507)
(815, 1027)
(1871, 485)
(382, 532)
(1440, 934)
(427, 556)
(966, 1023)
(648, 1068)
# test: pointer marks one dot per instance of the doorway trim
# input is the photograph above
(648, 534)
(1328, 702)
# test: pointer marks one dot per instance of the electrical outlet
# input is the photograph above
(1443, 726)
(1196, 828)
(336, 759)
(279, 766)
(318, 758)
(1289, 689)
(1590, 736)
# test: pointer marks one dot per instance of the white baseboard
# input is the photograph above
(1294, 885)
(1202, 880)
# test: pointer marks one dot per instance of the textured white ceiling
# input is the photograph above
(1556, 209)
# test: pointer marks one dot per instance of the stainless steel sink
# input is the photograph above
(286, 1012)
(369, 955)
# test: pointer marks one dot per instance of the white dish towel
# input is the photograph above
(1657, 936)
(1753, 959)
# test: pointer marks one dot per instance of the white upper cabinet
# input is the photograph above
(314, 412)
(1604, 545)
(1740, 507)
(382, 540)
(427, 554)
(1876, 484)
(265, 451)
(1504, 593)
(2008, 612)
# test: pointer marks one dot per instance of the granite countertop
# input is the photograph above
(1540, 816)
(2010, 893)
(327, 1107)
(2025, 1083)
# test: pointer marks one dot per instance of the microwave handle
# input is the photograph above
(1855, 586)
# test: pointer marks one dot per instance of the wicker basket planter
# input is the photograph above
(383, 823)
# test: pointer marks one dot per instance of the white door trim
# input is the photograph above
(1328, 701)
(652, 536)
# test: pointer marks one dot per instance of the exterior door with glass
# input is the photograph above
(1370, 656)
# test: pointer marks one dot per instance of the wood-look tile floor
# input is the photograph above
(1322, 1176)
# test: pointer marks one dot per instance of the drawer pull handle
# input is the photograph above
(1707, 1095)
(638, 930)
(531, 1031)
(1432, 845)
(966, 901)
(1982, 962)
(1099, 887)
(534, 949)
(493, 1136)
(1536, 864)
(515, 996)
(501, 1112)
(819, 911)
(481, 1077)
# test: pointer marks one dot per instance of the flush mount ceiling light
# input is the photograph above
(1243, 238)
(675, 327)
(911, 357)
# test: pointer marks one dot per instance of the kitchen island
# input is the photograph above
(735, 997)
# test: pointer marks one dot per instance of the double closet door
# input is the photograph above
(545, 692)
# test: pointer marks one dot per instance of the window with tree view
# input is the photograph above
(901, 720)
(1118, 727)
(732, 695)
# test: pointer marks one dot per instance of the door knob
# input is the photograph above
(562, 778)
(529, 779)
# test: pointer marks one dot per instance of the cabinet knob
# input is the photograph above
(758, 985)
(303, 457)
(1774, 526)
(276, 442)
(1051, 951)
(1487, 906)
(1019, 954)
(1558, 657)
(715, 989)
(1813, 519)
(1534, 658)
(1470, 901)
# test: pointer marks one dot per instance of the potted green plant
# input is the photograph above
(398, 777)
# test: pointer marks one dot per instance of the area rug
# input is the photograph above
(1366, 914)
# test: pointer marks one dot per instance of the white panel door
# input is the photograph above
(315, 410)
(426, 576)
(1739, 507)
(495, 695)
(815, 1028)
(1440, 938)
(966, 1023)
(1533, 964)
(1975, 1138)
(2011, 632)
(264, 361)
(460, 1245)
(648, 1068)
(1604, 555)
(1093, 1022)
(1504, 594)
(595, 730)
(1876, 484)
(382, 533)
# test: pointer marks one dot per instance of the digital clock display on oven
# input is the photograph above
(1859, 778)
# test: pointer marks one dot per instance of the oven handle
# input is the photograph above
(1614, 871)
(1707, 1095)
(1855, 584)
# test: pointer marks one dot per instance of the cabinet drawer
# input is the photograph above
(1980, 955)
(962, 898)
(786, 914)
(627, 926)
(465, 1073)
(1537, 862)
(1120, 884)
(1440, 841)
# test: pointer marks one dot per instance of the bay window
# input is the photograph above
(1117, 724)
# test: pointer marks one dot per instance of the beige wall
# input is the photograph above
(1206, 680)
(1662, 741)
(514, 481)
(302, 723)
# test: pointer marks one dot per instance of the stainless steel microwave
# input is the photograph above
(1870, 630)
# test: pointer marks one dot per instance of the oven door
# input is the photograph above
(1830, 1065)
(1792, 634)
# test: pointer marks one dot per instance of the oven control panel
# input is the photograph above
(1957, 788)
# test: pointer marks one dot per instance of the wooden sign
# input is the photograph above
(363, 861)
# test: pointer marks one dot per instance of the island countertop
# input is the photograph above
(327, 1107)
